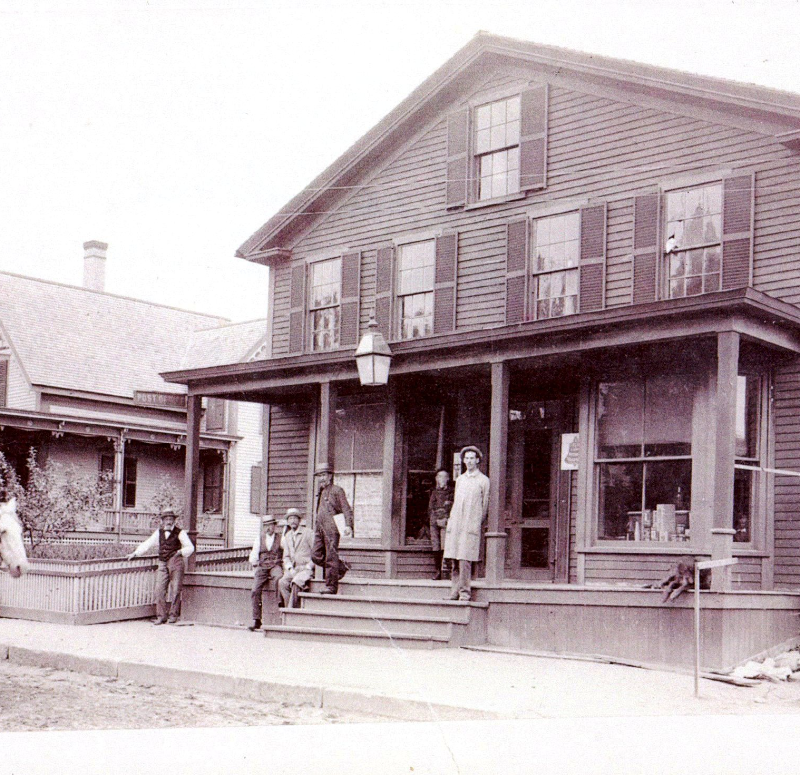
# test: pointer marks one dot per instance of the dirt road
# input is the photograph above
(42, 699)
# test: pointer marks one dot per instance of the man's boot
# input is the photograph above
(256, 626)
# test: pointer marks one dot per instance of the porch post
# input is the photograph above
(722, 531)
(498, 447)
(390, 515)
(119, 476)
(192, 467)
(327, 401)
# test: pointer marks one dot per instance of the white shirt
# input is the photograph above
(152, 543)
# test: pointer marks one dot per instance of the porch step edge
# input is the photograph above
(399, 600)
(287, 629)
(382, 617)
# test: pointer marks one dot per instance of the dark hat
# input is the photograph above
(323, 468)
(471, 449)
(267, 518)
(168, 513)
(293, 513)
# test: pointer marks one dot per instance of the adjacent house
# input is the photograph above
(589, 268)
(80, 384)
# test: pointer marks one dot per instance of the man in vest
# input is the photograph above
(174, 547)
(267, 557)
(331, 501)
(297, 565)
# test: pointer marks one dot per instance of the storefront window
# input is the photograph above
(643, 459)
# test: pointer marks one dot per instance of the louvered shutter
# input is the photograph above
(255, 489)
(593, 258)
(384, 275)
(737, 231)
(215, 414)
(516, 270)
(533, 139)
(444, 289)
(645, 247)
(297, 309)
(349, 304)
(457, 158)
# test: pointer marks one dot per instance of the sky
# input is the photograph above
(174, 130)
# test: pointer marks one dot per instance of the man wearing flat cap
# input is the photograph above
(297, 565)
(267, 557)
(331, 501)
(174, 546)
(463, 536)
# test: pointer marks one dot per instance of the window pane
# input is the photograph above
(415, 267)
(325, 283)
(512, 109)
(746, 416)
(668, 416)
(358, 437)
(482, 117)
(620, 417)
(620, 498)
(324, 328)
(417, 315)
(743, 490)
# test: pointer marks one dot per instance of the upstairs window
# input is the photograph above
(693, 252)
(496, 147)
(325, 280)
(555, 250)
(415, 277)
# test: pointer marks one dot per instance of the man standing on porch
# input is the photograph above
(331, 502)
(463, 536)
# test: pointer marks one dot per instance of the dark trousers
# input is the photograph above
(261, 582)
(169, 582)
(326, 552)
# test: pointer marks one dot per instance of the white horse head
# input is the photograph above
(12, 548)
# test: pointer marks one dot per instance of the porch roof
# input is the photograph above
(59, 425)
(756, 316)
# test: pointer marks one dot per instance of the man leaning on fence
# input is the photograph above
(174, 546)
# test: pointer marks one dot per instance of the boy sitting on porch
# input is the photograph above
(439, 505)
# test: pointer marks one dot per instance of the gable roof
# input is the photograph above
(770, 111)
(79, 339)
(230, 343)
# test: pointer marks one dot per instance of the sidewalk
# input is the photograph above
(403, 684)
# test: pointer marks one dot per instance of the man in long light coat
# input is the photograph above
(463, 537)
(297, 566)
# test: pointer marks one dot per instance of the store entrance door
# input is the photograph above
(538, 496)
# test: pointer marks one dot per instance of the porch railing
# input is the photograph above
(145, 522)
(91, 591)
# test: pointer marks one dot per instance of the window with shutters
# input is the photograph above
(693, 250)
(325, 279)
(496, 132)
(555, 257)
(415, 280)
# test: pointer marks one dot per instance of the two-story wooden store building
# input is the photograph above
(590, 268)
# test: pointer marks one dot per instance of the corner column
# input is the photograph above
(192, 467)
(119, 476)
(498, 449)
(722, 531)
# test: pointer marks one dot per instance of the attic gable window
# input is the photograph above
(323, 303)
(496, 144)
(694, 240)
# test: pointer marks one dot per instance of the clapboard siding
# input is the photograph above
(787, 489)
(599, 149)
(746, 574)
(639, 569)
(289, 440)
(573, 528)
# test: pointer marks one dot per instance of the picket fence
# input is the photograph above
(94, 591)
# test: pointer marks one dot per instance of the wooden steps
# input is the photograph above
(390, 612)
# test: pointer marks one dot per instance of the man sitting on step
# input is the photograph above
(267, 557)
(297, 566)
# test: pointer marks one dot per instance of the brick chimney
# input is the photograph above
(94, 265)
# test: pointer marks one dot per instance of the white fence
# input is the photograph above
(92, 591)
